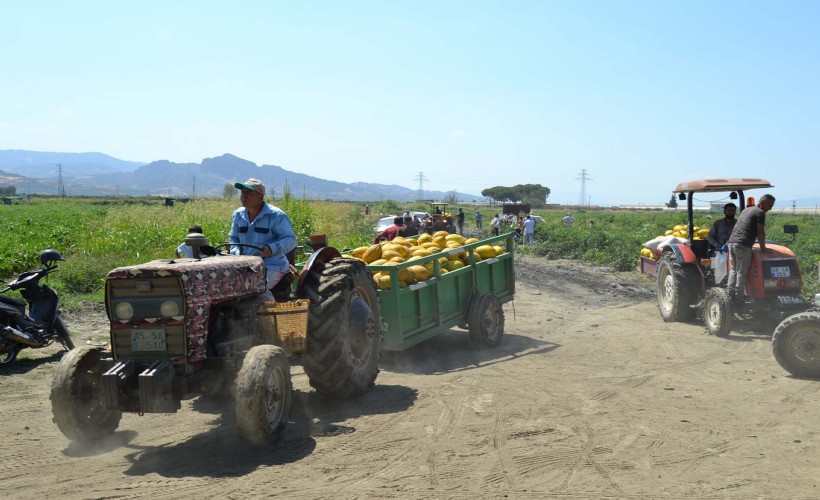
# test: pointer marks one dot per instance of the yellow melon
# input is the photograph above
(373, 252)
(485, 251)
(420, 273)
(358, 252)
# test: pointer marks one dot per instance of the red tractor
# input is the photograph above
(691, 279)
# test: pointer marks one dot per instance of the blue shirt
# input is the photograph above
(270, 228)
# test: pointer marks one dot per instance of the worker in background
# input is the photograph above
(391, 231)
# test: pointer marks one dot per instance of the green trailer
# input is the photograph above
(469, 297)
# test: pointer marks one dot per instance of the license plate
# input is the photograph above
(148, 339)
(781, 272)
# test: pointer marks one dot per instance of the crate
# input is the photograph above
(284, 324)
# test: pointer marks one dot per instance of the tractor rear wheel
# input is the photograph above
(796, 344)
(717, 312)
(676, 284)
(344, 328)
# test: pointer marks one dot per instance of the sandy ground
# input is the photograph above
(589, 395)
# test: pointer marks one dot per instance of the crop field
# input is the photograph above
(97, 235)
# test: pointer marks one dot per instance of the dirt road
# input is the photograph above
(589, 395)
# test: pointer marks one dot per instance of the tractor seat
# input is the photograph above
(700, 248)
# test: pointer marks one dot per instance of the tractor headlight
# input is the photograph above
(169, 308)
(124, 311)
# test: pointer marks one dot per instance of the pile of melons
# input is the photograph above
(679, 231)
(400, 250)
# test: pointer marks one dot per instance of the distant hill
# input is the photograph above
(95, 173)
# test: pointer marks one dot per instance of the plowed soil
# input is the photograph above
(589, 395)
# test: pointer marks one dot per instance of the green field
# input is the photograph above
(96, 235)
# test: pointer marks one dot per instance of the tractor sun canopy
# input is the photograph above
(722, 184)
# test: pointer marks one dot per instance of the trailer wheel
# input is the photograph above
(263, 395)
(717, 312)
(676, 287)
(76, 398)
(796, 344)
(344, 328)
(486, 321)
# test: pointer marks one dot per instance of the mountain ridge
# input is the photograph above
(37, 172)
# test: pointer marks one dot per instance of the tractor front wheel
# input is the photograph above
(796, 344)
(77, 398)
(263, 395)
(344, 328)
(717, 312)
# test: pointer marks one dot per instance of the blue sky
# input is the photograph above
(473, 94)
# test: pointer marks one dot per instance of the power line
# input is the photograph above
(583, 178)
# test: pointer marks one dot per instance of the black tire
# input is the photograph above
(717, 312)
(796, 344)
(9, 353)
(263, 395)
(344, 328)
(63, 336)
(486, 321)
(676, 288)
(77, 400)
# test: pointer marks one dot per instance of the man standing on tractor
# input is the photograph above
(750, 225)
(722, 229)
(262, 225)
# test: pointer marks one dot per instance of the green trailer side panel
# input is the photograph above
(423, 310)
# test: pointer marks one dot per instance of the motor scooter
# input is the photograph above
(43, 324)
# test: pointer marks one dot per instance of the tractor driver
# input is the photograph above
(722, 229)
(263, 225)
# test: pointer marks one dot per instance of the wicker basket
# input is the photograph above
(284, 324)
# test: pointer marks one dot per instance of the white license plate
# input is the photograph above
(148, 339)
(781, 272)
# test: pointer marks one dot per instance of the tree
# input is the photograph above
(534, 194)
(451, 198)
(673, 202)
(228, 192)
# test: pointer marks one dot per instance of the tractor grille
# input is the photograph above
(147, 317)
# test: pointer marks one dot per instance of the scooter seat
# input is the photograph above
(12, 301)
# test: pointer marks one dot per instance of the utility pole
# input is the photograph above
(193, 190)
(60, 186)
(584, 178)
(421, 178)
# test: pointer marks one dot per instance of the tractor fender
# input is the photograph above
(687, 258)
(683, 253)
(318, 257)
